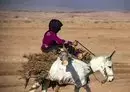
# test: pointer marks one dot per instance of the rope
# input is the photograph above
(102, 82)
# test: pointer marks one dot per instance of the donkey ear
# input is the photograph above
(110, 57)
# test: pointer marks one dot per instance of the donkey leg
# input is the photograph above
(34, 87)
(76, 89)
(87, 88)
(45, 85)
(57, 88)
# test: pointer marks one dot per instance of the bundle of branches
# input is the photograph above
(38, 64)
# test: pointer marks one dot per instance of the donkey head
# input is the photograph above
(107, 68)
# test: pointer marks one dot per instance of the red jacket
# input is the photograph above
(49, 38)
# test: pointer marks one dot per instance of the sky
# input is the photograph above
(65, 4)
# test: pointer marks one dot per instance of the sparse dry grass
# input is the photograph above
(38, 63)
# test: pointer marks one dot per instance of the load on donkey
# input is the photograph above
(38, 65)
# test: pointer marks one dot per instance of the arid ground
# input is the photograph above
(21, 33)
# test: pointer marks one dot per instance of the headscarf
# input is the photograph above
(55, 25)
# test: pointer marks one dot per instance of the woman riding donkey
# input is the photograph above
(51, 42)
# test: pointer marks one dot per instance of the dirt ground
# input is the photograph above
(21, 33)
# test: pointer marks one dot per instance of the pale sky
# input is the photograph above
(66, 4)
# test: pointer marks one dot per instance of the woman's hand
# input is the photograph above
(75, 43)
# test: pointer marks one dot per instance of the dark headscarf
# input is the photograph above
(55, 25)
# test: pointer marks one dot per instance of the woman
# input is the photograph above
(51, 42)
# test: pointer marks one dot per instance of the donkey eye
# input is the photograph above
(109, 66)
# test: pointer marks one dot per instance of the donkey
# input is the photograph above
(76, 72)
